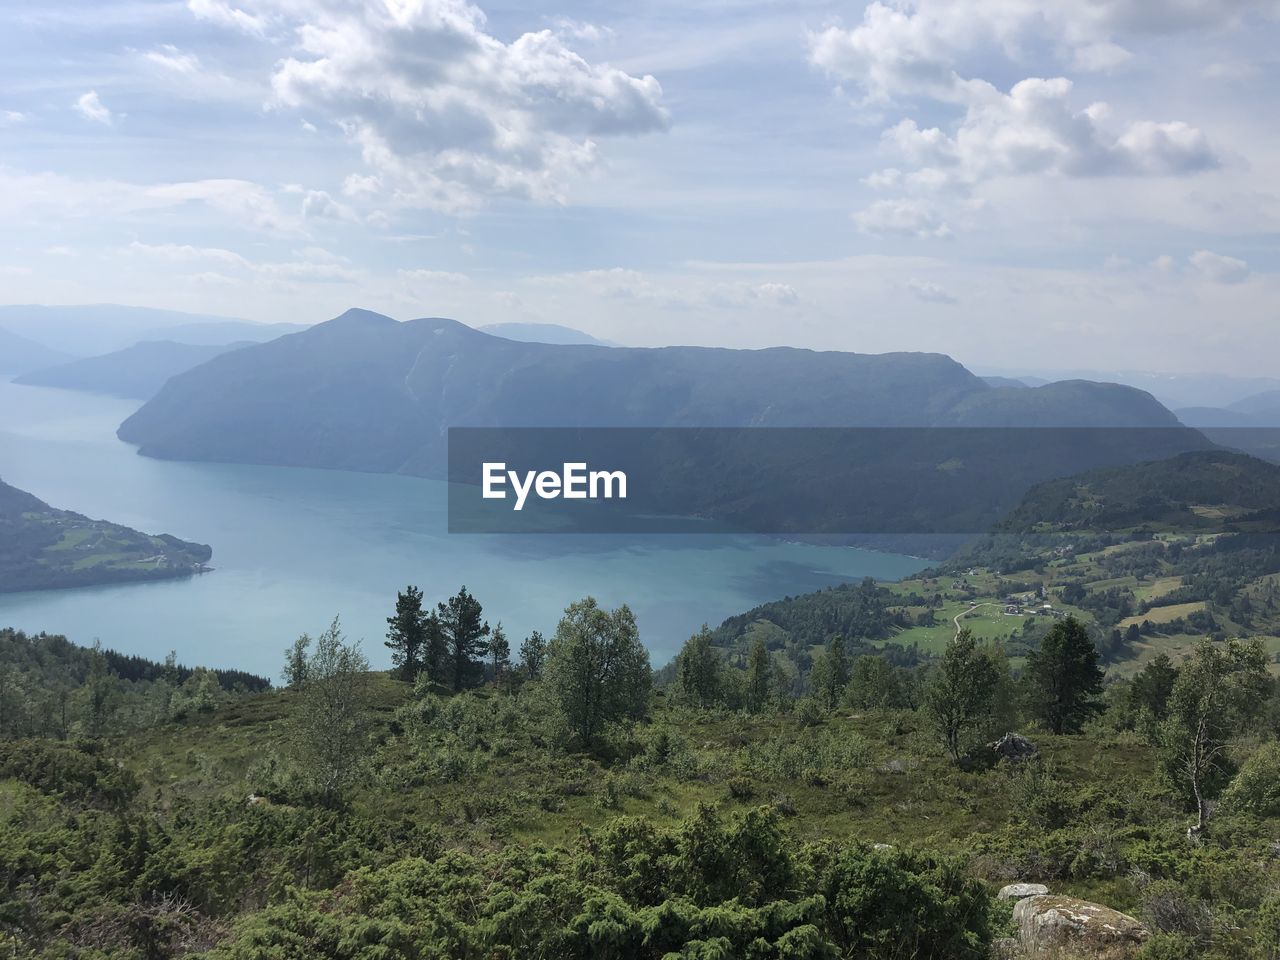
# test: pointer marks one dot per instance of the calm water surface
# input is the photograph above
(294, 547)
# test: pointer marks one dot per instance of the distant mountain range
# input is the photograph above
(1259, 410)
(542, 333)
(19, 354)
(88, 330)
(1174, 390)
(365, 392)
(136, 372)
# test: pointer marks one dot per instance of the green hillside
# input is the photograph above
(182, 820)
(44, 548)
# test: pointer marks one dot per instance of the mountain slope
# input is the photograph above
(1208, 490)
(19, 354)
(136, 372)
(43, 548)
(366, 392)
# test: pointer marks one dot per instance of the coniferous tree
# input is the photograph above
(499, 651)
(698, 669)
(464, 633)
(533, 654)
(1065, 677)
(830, 674)
(407, 633)
(100, 691)
(759, 669)
(1150, 691)
(435, 658)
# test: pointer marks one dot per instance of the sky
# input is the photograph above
(1022, 184)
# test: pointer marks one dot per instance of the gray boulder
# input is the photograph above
(1013, 747)
(1049, 922)
(1017, 891)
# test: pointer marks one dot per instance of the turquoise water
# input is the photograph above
(294, 547)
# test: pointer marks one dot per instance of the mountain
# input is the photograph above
(43, 548)
(542, 333)
(18, 354)
(88, 330)
(1198, 491)
(1006, 382)
(136, 372)
(365, 392)
(1174, 390)
(217, 333)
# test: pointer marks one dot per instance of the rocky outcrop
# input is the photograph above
(1013, 747)
(1019, 891)
(1048, 921)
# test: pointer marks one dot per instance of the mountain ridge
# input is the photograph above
(135, 372)
(367, 392)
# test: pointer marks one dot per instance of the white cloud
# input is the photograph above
(904, 218)
(1034, 130)
(780, 293)
(187, 253)
(9, 118)
(911, 48)
(929, 292)
(918, 51)
(1219, 268)
(171, 58)
(448, 115)
(92, 108)
(312, 264)
(224, 15)
(317, 204)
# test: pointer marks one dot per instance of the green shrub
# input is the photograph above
(1256, 788)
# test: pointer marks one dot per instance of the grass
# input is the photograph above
(1158, 615)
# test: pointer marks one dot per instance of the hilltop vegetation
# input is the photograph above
(488, 823)
(44, 548)
(1151, 558)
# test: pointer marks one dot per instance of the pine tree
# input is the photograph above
(758, 679)
(100, 691)
(533, 654)
(500, 651)
(435, 657)
(831, 673)
(1066, 677)
(407, 633)
(464, 633)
